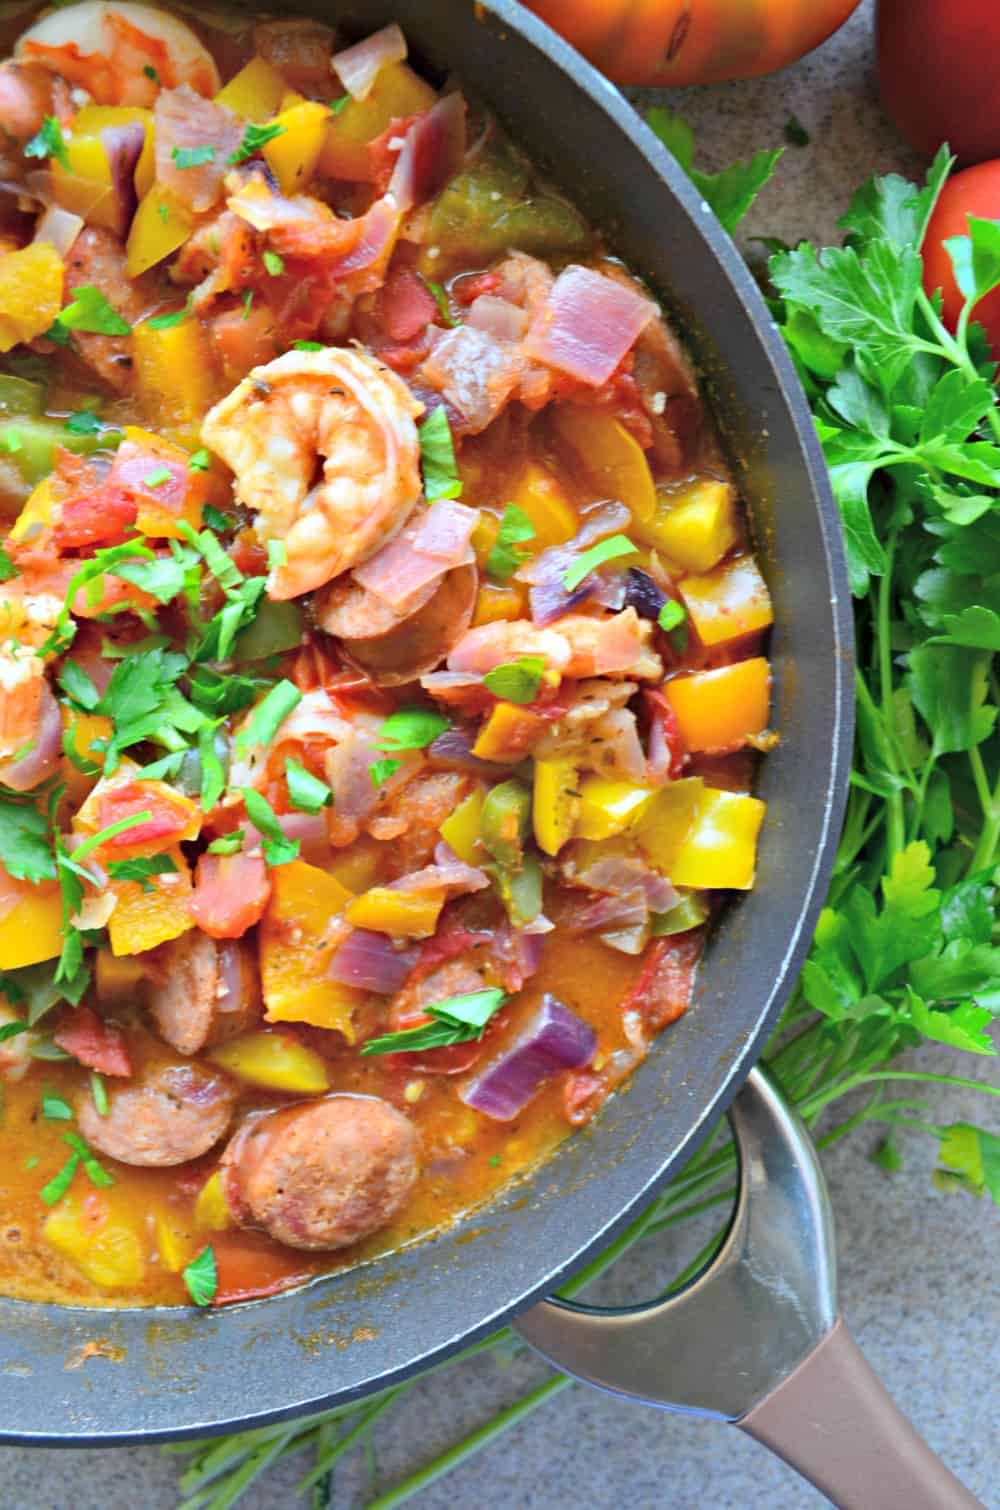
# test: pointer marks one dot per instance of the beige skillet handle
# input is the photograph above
(834, 1422)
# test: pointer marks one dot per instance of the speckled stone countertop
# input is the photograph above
(918, 1269)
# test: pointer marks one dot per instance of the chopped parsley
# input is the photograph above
(227, 844)
(89, 312)
(200, 461)
(440, 296)
(193, 157)
(590, 560)
(505, 556)
(305, 791)
(201, 1277)
(411, 729)
(254, 139)
(174, 317)
(275, 265)
(671, 615)
(437, 457)
(277, 553)
(458, 1019)
(308, 345)
(60, 1183)
(141, 869)
(381, 770)
(7, 567)
(99, 1094)
(336, 106)
(247, 303)
(25, 848)
(49, 142)
(55, 1109)
(84, 422)
(516, 681)
(96, 1172)
(157, 477)
(151, 73)
(278, 850)
(268, 716)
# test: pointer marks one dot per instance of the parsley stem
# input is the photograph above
(876, 1077)
(986, 847)
(955, 349)
(325, 1460)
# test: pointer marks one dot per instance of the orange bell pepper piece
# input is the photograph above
(720, 710)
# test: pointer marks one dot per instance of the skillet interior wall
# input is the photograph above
(175, 1373)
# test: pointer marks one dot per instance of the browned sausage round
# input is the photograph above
(351, 612)
(321, 1174)
(210, 991)
(169, 1115)
(421, 641)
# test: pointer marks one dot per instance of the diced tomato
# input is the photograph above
(583, 1093)
(251, 1267)
(468, 288)
(230, 894)
(662, 991)
(170, 815)
(658, 710)
(242, 339)
(383, 151)
(249, 553)
(407, 305)
(101, 517)
(93, 1042)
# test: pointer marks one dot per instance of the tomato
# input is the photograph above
(976, 191)
(939, 73)
(670, 42)
(230, 894)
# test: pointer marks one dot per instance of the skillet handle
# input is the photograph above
(755, 1339)
(834, 1421)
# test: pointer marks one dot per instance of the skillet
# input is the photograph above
(170, 1373)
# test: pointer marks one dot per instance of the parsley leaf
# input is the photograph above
(729, 193)
(459, 1019)
(227, 844)
(305, 791)
(254, 139)
(49, 142)
(278, 850)
(200, 461)
(381, 770)
(437, 457)
(25, 844)
(141, 868)
(589, 560)
(55, 1109)
(274, 264)
(90, 311)
(268, 716)
(516, 681)
(172, 318)
(411, 729)
(84, 422)
(192, 157)
(201, 1277)
(505, 557)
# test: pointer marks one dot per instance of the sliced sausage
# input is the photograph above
(210, 991)
(351, 612)
(321, 1174)
(420, 642)
(173, 1113)
(98, 259)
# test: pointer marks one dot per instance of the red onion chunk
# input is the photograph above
(123, 146)
(39, 762)
(309, 830)
(452, 750)
(134, 463)
(377, 231)
(516, 955)
(432, 153)
(455, 878)
(433, 543)
(617, 876)
(369, 960)
(554, 1039)
(545, 575)
(497, 318)
(358, 67)
(475, 374)
(59, 228)
(588, 324)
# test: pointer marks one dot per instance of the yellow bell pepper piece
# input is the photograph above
(32, 930)
(508, 734)
(292, 156)
(402, 914)
(275, 1062)
(304, 900)
(80, 732)
(492, 603)
(175, 1245)
(31, 292)
(173, 372)
(356, 867)
(667, 821)
(254, 93)
(609, 807)
(612, 458)
(397, 91)
(94, 1230)
(93, 119)
(85, 186)
(720, 847)
(160, 225)
(555, 803)
(460, 830)
(37, 513)
(547, 505)
(143, 919)
(719, 710)
(694, 524)
(211, 1211)
(118, 980)
(729, 602)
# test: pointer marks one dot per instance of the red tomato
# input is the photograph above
(939, 73)
(230, 894)
(976, 191)
(93, 1042)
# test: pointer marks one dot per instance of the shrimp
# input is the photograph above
(28, 93)
(577, 645)
(119, 52)
(339, 414)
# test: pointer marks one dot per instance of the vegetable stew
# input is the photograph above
(382, 660)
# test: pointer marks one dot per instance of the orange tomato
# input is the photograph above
(671, 42)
